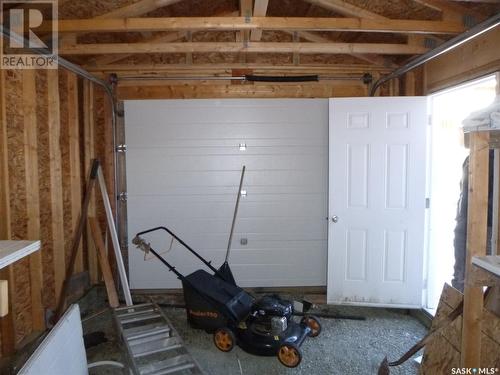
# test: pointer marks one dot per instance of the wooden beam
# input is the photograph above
(7, 322)
(255, 23)
(259, 10)
(477, 223)
(197, 91)
(138, 8)
(451, 10)
(74, 159)
(372, 59)
(56, 188)
(347, 9)
(89, 152)
(204, 47)
(226, 69)
(245, 13)
(32, 194)
(109, 59)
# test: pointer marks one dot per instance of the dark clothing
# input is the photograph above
(460, 240)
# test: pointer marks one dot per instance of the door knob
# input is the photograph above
(335, 218)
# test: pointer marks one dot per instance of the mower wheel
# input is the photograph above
(313, 323)
(289, 355)
(224, 339)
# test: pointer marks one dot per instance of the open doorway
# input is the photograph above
(449, 108)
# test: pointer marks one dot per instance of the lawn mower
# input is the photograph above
(214, 303)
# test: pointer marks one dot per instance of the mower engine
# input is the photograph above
(271, 315)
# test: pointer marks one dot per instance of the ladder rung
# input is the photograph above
(175, 369)
(157, 346)
(140, 318)
(150, 338)
(166, 365)
(146, 332)
(134, 307)
(136, 313)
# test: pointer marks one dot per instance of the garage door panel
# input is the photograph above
(139, 161)
(223, 182)
(183, 169)
(233, 150)
(179, 144)
(183, 207)
(213, 112)
(223, 131)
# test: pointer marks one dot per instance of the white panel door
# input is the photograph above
(183, 169)
(377, 201)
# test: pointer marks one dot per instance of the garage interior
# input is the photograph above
(305, 147)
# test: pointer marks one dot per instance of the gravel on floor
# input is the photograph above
(343, 347)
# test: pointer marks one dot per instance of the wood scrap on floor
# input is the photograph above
(442, 353)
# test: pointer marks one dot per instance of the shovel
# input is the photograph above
(225, 270)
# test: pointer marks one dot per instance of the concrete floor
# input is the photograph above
(343, 347)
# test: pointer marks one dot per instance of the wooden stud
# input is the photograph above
(109, 167)
(7, 322)
(74, 159)
(103, 262)
(89, 141)
(258, 23)
(32, 195)
(254, 47)
(56, 189)
(410, 84)
(259, 10)
(477, 224)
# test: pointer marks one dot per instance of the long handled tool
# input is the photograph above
(224, 269)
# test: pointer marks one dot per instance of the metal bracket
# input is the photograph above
(123, 196)
(121, 148)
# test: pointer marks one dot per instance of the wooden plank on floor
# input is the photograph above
(74, 159)
(7, 322)
(56, 188)
(89, 152)
(32, 194)
(476, 246)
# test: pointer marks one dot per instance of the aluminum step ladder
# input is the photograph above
(153, 345)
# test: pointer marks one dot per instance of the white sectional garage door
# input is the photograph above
(183, 168)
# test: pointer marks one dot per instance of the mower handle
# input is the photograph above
(207, 263)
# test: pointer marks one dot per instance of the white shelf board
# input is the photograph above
(12, 251)
(490, 263)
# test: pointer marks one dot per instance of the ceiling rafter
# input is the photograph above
(137, 9)
(267, 23)
(236, 47)
(347, 9)
(372, 59)
(451, 10)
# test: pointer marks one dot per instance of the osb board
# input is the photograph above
(47, 249)
(443, 352)
(15, 147)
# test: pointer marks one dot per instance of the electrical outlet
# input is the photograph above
(243, 241)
